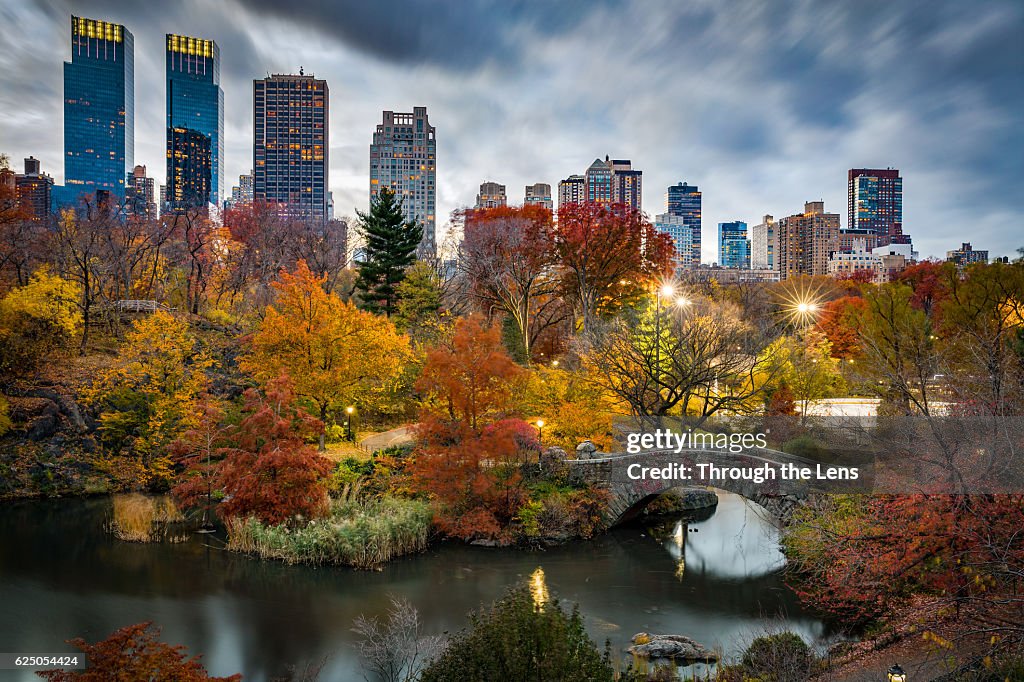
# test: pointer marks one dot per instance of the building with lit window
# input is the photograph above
(875, 203)
(627, 183)
(492, 195)
(403, 157)
(195, 107)
(140, 194)
(681, 234)
(684, 201)
(34, 191)
(572, 190)
(807, 240)
(966, 255)
(764, 241)
(733, 246)
(242, 193)
(539, 194)
(291, 144)
(599, 182)
(99, 109)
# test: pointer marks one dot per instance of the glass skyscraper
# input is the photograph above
(99, 109)
(875, 203)
(733, 246)
(195, 107)
(291, 144)
(684, 201)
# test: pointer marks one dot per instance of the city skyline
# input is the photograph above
(755, 142)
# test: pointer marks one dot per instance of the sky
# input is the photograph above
(763, 104)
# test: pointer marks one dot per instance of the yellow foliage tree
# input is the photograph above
(334, 353)
(573, 406)
(151, 396)
(36, 320)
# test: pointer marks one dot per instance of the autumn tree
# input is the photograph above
(838, 322)
(199, 453)
(336, 354)
(809, 371)
(420, 313)
(471, 378)
(194, 233)
(391, 243)
(150, 396)
(508, 259)
(36, 321)
(271, 473)
(928, 282)
(610, 257)
(135, 652)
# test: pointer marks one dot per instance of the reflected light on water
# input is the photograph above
(538, 587)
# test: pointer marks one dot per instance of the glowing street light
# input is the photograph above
(682, 302)
(350, 410)
(896, 674)
(540, 431)
(668, 290)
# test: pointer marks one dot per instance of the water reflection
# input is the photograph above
(62, 576)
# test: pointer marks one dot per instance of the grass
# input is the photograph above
(358, 534)
(144, 518)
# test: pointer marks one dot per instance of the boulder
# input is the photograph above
(586, 450)
(675, 647)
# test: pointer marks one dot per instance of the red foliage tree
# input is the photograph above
(928, 280)
(134, 653)
(273, 473)
(610, 255)
(838, 322)
(198, 453)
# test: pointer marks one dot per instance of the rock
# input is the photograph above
(696, 498)
(675, 647)
(586, 450)
(552, 456)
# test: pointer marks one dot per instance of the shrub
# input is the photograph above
(144, 518)
(804, 446)
(521, 637)
(779, 657)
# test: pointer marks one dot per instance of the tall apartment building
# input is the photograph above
(684, 201)
(733, 246)
(539, 194)
(34, 190)
(966, 255)
(139, 196)
(99, 109)
(290, 144)
(572, 190)
(492, 195)
(681, 234)
(764, 242)
(611, 181)
(242, 193)
(806, 240)
(195, 123)
(599, 182)
(627, 183)
(403, 157)
(875, 203)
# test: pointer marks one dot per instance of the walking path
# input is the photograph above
(379, 441)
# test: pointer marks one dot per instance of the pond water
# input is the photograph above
(63, 576)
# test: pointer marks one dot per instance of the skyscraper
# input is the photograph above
(764, 242)
(33, 191)
(733, 247)
(540, 194)
(291, 143)
(99, 108)
(195, 107)
(806, 240)
(599, 182)
(875, 203)
(627, 183)
(140, 190)
(684, 201)
(572, 190)
(403, 158)
(491, 195)
(681, 233)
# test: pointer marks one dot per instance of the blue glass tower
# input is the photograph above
(733, 245)
(195, 107)
(99, 109)
(684, 201)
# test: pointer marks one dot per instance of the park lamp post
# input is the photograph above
(350, 410)
(540, 432)
(896, 674)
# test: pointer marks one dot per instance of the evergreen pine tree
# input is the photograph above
(391, 243)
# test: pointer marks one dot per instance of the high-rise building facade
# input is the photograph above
(684, 201)
(627, 183)
(875, 203)
(539, 194)
(599, 182)
(195, 107)
(99, 108)
(967, 255)
(403, 157)
(681, 234)
(806, 240)
(290, 144)
(242, 193)
(733, 246)
(572, 190)
(492, 195)
(139, 196)
(34, 190)
(764, 242)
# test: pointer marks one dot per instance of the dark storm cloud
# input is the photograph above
(764, 103)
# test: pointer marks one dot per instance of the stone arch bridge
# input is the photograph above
(631, 491)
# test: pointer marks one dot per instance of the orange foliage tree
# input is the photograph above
(135, 652)
(334, 352)
(838, 321)
(271, 473)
